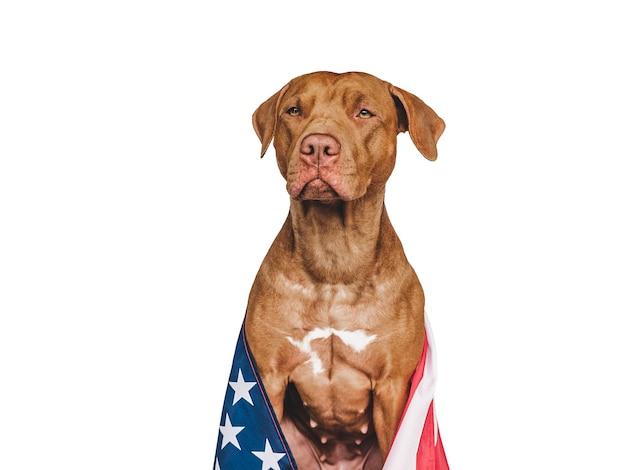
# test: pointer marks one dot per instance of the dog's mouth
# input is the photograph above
(318, 190)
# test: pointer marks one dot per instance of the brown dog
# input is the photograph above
(335, 318)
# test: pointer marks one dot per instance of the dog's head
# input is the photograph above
(335, 134)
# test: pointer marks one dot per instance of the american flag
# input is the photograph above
(250, 436)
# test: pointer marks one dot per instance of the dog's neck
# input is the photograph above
(338, 241)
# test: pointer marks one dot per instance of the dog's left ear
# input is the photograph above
(423, 124)
(264, 119)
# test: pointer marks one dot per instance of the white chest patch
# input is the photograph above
(357, 340)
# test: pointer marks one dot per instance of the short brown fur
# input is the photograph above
(336, 275)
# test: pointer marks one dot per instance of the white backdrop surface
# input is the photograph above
(135, 211)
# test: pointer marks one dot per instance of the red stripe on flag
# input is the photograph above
(417, 444)
(430, 453)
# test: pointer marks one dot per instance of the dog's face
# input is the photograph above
(335, 134)
(355, 123)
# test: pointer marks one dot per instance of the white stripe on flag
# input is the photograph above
(406, 442)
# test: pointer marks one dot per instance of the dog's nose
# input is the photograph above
(317, 149)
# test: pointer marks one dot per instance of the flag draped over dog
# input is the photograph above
(250, 436)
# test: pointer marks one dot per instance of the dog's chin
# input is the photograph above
(319, 190)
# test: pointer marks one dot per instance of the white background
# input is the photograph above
(135, 211)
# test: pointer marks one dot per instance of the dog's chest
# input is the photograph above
(325, 347)
(337, 334)
(336, 328)
(335, 320)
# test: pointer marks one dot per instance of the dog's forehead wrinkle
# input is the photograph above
(338, 90)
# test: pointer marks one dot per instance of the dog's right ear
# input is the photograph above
(265, 117)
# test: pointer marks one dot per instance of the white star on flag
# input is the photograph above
(269, 457)
(242, 389)
(230, 433)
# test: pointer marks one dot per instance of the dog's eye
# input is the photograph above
(365, 114)
(294, 111)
